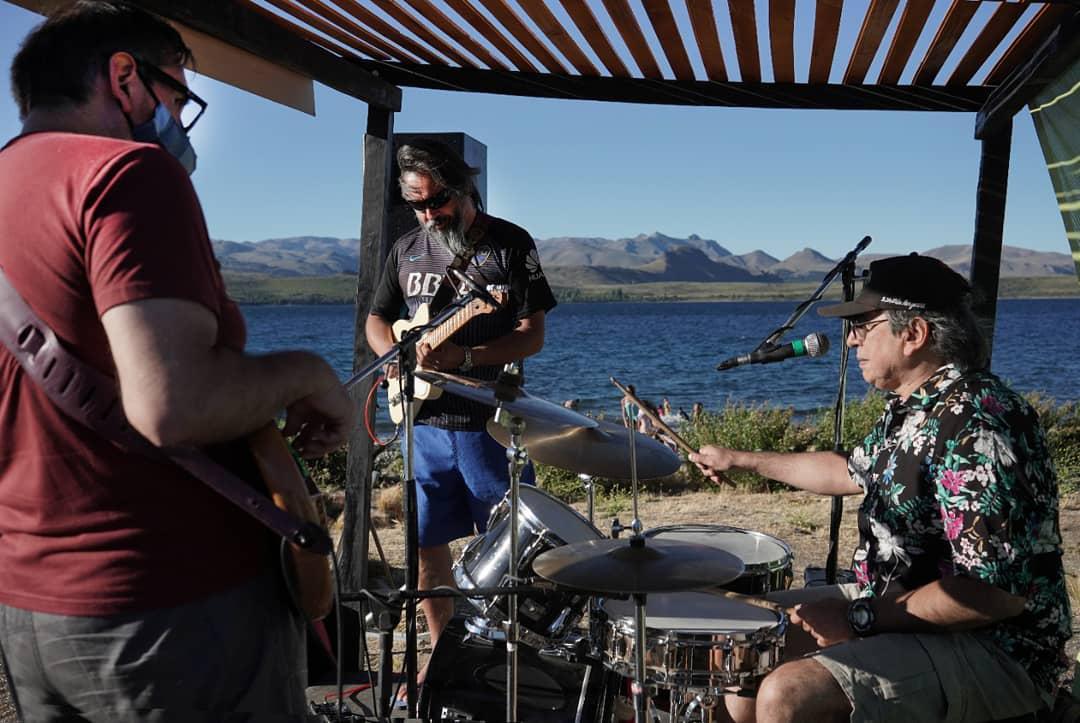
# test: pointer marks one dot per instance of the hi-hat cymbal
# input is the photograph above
(624, 566)
(518, 402)
(600, 451)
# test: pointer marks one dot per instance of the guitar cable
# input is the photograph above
(370, 405)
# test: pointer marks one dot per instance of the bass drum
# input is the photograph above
(466, 680)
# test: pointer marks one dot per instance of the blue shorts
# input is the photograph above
(460, 476)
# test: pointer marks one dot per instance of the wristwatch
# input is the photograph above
(466, 365)
(860, 616)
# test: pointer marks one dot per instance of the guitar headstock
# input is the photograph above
(499, 292)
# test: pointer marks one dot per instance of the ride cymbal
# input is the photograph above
(636, 565)
(599, 451)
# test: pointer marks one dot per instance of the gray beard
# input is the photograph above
(453, 238)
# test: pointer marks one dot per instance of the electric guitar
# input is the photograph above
(421, 389)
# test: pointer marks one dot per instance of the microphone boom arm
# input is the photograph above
(800, 310)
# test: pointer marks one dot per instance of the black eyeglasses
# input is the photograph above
(862, 328)
(431, 203)
(193, 107)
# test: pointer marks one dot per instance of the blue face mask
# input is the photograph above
(163, 130)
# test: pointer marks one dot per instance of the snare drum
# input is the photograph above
(766, 560)
(545, 523)
(696, 641)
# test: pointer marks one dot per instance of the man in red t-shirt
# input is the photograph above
(126, 585)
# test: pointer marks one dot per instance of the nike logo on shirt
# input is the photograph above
(417, 257)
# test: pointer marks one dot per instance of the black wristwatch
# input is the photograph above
(860, 616)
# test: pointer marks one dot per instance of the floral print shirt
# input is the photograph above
(958, 481)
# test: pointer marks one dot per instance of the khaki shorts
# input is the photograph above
(922, 677)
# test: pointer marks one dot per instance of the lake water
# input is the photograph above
(671, 350)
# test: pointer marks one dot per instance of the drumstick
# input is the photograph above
(682, 443)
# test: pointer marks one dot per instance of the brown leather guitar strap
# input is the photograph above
(91, 398)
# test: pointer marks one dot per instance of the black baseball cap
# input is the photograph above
(912, 283)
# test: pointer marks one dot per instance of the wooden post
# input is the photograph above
(990, 223)
(374, 247)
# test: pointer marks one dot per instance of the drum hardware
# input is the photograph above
(634, 567)
(590, 494)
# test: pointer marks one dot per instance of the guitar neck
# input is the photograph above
(435, 337)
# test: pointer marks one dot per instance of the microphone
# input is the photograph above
(813, 345)
(478, 291)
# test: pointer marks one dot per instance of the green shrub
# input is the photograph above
(859, 417)
(746, 427)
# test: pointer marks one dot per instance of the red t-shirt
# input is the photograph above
(88, 223)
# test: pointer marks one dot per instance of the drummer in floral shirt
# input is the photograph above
(959, 611)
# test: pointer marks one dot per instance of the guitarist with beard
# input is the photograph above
(461, 471)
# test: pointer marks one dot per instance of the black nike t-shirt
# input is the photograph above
(505, 256)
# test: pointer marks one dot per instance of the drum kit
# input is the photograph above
(655, 626)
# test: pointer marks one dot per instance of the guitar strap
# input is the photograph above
(91, 398)
(461, 262)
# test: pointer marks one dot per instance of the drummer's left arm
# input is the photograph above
(952, 603)
(526, 339)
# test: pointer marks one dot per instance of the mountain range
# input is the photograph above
(589, 261)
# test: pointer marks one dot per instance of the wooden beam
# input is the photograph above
(374, 248)
(1057, 52)
(912, 22)
(990, 224)
(311, 20)
(694, 93)
(237, 25)
(703, 21)
(378, 25)
(489, 32)
(1045, 22)
(510, 20)
(439, 19)
(744, 29)
(948, 33)
(628, 28)
(555, 31)
(782, 39)
(582, 15)
(826, 31)
(987, 41)
(663, 22)
(408, 20)
(340, 21)
(872, 32)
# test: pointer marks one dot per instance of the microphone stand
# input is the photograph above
(404, 352)
(837, 511)
(770, 341)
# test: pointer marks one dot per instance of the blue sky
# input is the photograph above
(751, 179)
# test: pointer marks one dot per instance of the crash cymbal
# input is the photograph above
(624, 566)
(518, 402)
(600, 451)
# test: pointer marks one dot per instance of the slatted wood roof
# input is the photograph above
(869, 54)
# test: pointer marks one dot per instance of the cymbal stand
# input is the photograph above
(590, 493)
(517, 457)
(637, 687)
(404, 353)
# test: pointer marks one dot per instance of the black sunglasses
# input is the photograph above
(431, 203)
(157, 74)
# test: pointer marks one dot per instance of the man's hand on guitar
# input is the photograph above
(322, 421)
(443, 358)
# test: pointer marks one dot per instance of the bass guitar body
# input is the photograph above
(308, 573)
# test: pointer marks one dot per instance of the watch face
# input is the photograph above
(861, 616)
